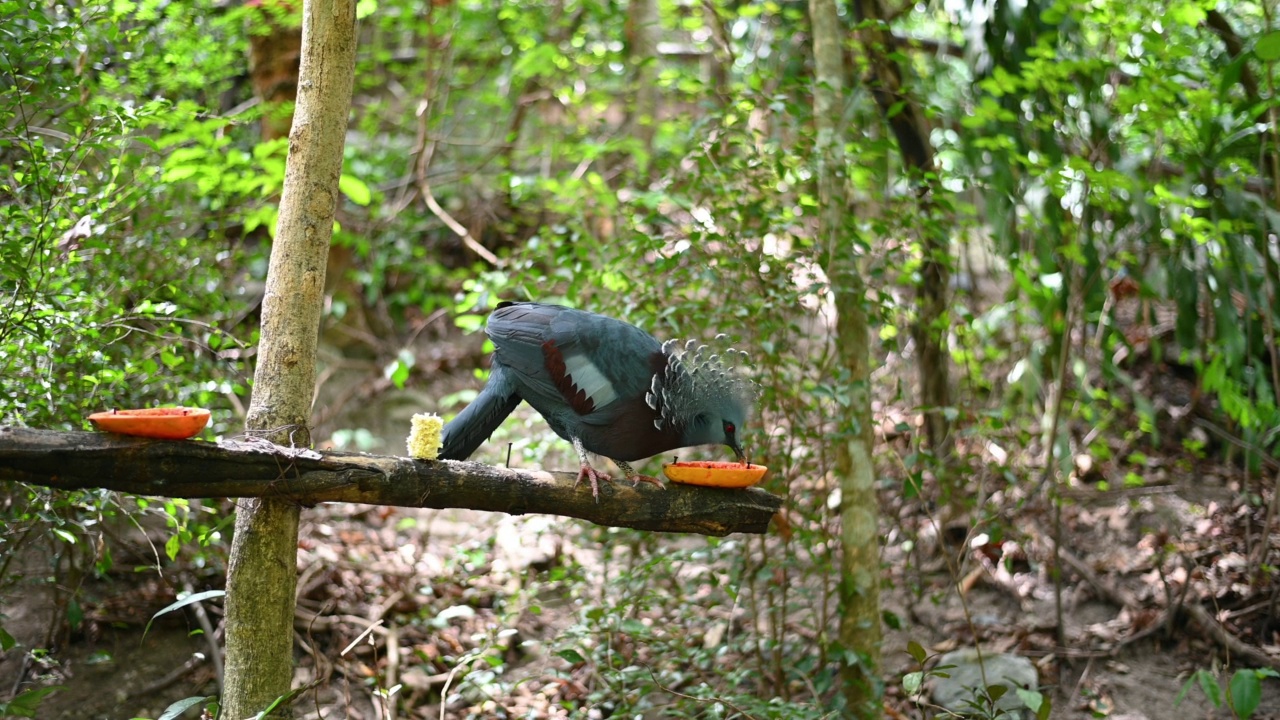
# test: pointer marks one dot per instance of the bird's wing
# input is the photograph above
(573, 359)
(477, 421)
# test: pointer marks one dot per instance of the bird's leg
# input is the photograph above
(636, 478)
(595, 476)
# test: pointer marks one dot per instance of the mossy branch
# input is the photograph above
(257, 468)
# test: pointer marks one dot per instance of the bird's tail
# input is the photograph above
(478, 420)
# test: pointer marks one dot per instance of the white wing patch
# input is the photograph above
(590, 380)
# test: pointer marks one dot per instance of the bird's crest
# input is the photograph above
(696, 380)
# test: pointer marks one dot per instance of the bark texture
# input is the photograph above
(910, 127)
(261, 572)
(275, 50)
(860, 632)
(642, 37)
(292, 477)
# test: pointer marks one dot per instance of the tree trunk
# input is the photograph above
(910, 128)
(860, 631)
(642, 36)
(261, 573)
(273, 67)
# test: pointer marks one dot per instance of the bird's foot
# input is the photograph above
(636, 478)
(595, 476)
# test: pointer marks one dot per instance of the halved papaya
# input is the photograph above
(715, 474)
(177, 423)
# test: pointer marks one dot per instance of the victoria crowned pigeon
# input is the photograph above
(604, 385)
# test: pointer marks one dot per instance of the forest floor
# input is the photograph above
(388, 596)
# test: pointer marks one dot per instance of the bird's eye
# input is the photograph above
(729, 429)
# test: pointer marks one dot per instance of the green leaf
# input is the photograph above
(7, 642)
(1268, 46)
(398, 371)
(1246, 692)
(1209, 684)
(1032, 699)
(181, 172)
(571, 655)
(172, 546)
(469, 322)
(1046, 709)
(175, 710)
(911, 682)
(26, 704)
(355, 189)
(188, 600)
(1185, 688)
(917, 652)
(1188, 13)
(75, 613)
(537, 61)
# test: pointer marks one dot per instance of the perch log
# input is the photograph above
(257, 468)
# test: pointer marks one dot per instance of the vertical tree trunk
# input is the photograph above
(911, 130)
(642, 37)
(273, 67)
(860, 631)
(261, 574)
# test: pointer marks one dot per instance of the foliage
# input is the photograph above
(1116, 144)
(27, 704)
(94, 202)
(126, 284)
(1244, 690)
(1105, 175)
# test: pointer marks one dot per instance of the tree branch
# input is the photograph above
(1235, 45)
(257, 468)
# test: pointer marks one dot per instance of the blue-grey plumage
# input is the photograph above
(604, 385)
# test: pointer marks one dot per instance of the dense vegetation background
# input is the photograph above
(1073, 201)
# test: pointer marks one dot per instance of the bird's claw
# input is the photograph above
(638, 478)
(595, 476)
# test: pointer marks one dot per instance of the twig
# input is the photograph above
(323, 666)
(1090, 495)
(393, 667)
(677, 693)
(1222, 433)
(367, 631)
(174, 676)
(953, 570)
(215, 652)
(1050, 471)
(317, 621)
(444, 692)
(1109, 592)
(425, 188)
(1190, 564)
(425, 151)
(1252, 656)
(1260, 555)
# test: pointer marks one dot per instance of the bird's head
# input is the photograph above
(703, 396)
(720, 424)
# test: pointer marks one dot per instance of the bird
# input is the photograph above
(606, 386)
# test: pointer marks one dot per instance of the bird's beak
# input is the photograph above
(742, 456)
